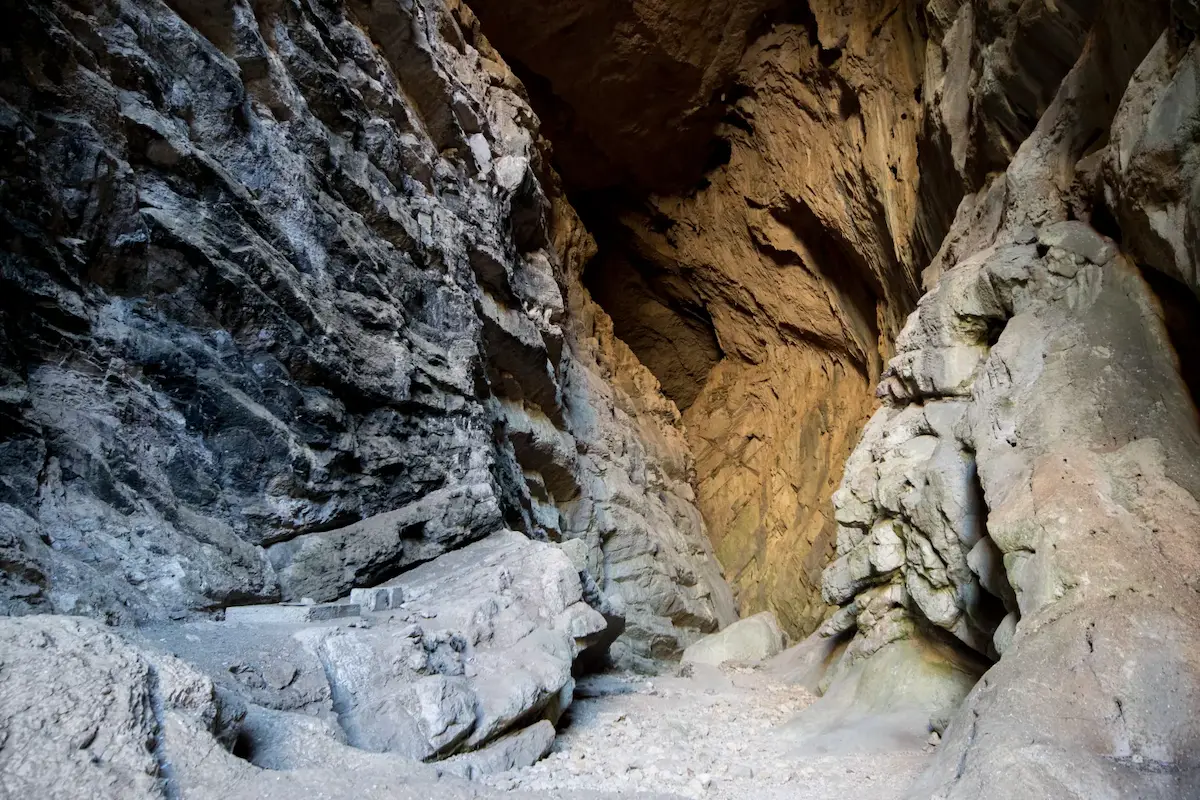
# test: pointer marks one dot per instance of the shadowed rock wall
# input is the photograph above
(289, 309)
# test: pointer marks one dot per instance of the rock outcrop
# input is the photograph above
(750, 640)
(305, 394)
(1030, 486)
(87, 714)
(293, 306)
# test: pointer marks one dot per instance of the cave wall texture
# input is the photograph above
(880, 315)
(288, 309)
(765, 287)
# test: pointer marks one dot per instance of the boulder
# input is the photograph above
(466, 648)
(885, 701)
(514, 751)
(496, 628)
(755, 638)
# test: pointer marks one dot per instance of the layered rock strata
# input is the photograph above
(300, 373)
(766, 294)
(290, 310)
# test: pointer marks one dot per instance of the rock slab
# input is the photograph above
(753, 639)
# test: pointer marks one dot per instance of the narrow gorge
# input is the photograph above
(473, 398)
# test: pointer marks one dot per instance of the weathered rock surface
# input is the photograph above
(515, 751)
(477, 657)
(293, 305)
(753, 639)
(78, 709)
(299, 371)
(766, 296)
(470, 647)
(85, 713)
(886, 702)
(497, 626)
(1030, 485)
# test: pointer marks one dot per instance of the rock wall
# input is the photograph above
(800, 251)
(297, 309)
(1029, 488)
(629, 92)
(766, 294)
(292, 305)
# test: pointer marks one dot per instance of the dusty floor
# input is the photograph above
(717, 734)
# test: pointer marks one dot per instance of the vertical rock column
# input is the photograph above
(1040, 364)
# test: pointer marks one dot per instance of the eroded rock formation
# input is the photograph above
(289, 311)
(767, 295)
(303, 377)
(1006, 495)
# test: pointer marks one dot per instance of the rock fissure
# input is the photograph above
(156, 744)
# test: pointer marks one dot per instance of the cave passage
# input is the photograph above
(600, 398)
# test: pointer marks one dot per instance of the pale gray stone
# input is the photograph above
(337, 281)
(291, 613)
(755, 638)
(1003, 637)
(1079, 239)
(520, 749)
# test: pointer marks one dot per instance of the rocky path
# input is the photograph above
(723, 734)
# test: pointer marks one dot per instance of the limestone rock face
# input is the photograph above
(795, 255)
(1007, 495)
(293, 305)
(1150, 170)
(302, 371)
(766, 295)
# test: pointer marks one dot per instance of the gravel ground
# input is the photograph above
(712, 735)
